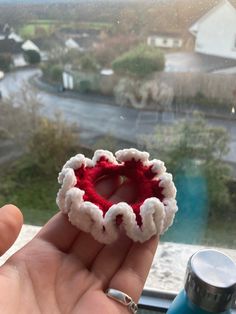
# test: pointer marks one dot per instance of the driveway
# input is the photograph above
(195, 62)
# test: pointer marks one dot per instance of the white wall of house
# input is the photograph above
(19, 61)
(216, 32)
(164, 42)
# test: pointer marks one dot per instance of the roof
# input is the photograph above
(166, 34)
(5, 29)
(80, 32)
(10, 46)
(15, 37)
(29, 45)
(86, 42)
(194, 28)
(71, 43)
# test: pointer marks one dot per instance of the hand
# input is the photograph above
(64, 270)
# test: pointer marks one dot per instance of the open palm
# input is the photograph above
(64, 270)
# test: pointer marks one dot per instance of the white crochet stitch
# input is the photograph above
(156, 216)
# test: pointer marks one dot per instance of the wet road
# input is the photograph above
(97, 119)
(195, 62)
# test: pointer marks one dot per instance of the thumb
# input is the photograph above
(11, 221)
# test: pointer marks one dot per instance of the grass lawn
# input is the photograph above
(97, 26)
(34, 194)
(35, 198)
(30, 29)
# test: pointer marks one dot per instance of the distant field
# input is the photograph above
(98, 26)
(40, 27)
(34, 27)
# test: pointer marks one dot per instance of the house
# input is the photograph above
(11, 43)
(81, 39)
(15, 37)
(9, 46)
(215, 32)
(165, 40)
(16, 50)
(4, 31)
(7, 32)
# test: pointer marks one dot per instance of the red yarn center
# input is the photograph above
(137, 174)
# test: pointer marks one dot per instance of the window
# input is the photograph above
(165, 41)
(55, 99)
(176, 43)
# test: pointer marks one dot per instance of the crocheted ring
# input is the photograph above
(152, 212)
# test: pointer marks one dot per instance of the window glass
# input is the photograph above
(76, 76)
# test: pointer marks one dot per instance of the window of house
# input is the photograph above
(176, 42)
(56, 101)
(165, 41)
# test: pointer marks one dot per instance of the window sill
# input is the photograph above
(159, 301)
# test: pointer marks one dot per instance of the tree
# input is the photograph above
(32, 56)
(88, 63)
(52, 72)
(5, 62)
(111, 47)
(140, 61)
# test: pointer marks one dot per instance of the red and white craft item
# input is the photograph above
(152, 213)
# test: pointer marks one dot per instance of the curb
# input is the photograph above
(54, 89)
(97, 98)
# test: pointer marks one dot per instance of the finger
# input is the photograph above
(86, 248)
(127, 192)
(11, 221)
(110, 258)
(132, 275)
(107, 185)
(59, 232)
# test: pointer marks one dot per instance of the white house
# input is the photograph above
(215, 32)
(165, 41)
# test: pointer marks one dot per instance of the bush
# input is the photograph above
(140, 61)
(85, 86)
(56, 73)
(195, 148)
(52, 72)
(88, 63)
(5, 62)
(32, 56)
(50, 145)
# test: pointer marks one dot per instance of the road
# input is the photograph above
(97, 119)
(195, 62)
